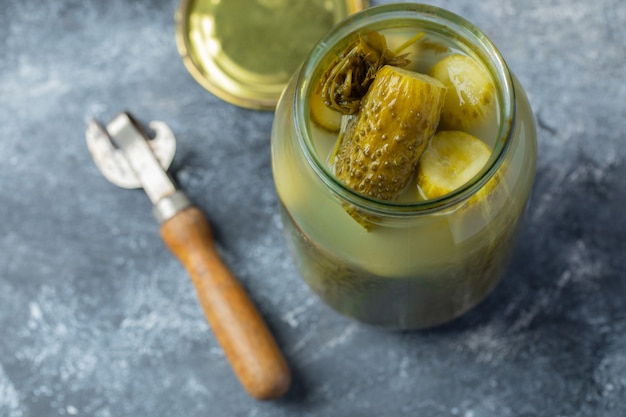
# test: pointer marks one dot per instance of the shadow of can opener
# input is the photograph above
(127, 158)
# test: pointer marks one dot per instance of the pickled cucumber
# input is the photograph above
(380, 150)
(470, 92)
(451, 159)
(323, 115)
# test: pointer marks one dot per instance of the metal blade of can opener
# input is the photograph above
(128, 158)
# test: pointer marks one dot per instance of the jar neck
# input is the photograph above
(418, 17)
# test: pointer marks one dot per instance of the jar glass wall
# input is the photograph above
(417, 263)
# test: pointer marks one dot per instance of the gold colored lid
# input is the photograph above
(245, 51)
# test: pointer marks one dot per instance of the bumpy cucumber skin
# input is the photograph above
(382, 146)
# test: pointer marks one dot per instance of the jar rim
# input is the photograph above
(446, 22)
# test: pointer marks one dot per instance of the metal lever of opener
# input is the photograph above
(126, 157)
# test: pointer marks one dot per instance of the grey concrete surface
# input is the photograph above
(98, 319)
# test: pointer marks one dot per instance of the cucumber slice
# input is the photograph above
(470, 92)
(451, 159)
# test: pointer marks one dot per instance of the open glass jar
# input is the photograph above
(418, 262)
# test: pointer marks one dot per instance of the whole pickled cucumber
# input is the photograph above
(381, 147)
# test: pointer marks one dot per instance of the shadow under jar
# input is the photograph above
(420, 262)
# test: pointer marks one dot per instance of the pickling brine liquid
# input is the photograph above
(417, 262)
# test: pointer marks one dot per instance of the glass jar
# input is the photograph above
(420, 263)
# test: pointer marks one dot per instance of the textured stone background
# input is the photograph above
(97, 319)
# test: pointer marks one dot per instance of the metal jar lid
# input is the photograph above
(245, 51)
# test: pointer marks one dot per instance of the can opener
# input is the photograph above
(128, 158)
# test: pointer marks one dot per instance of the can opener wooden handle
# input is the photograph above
(126, 157)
